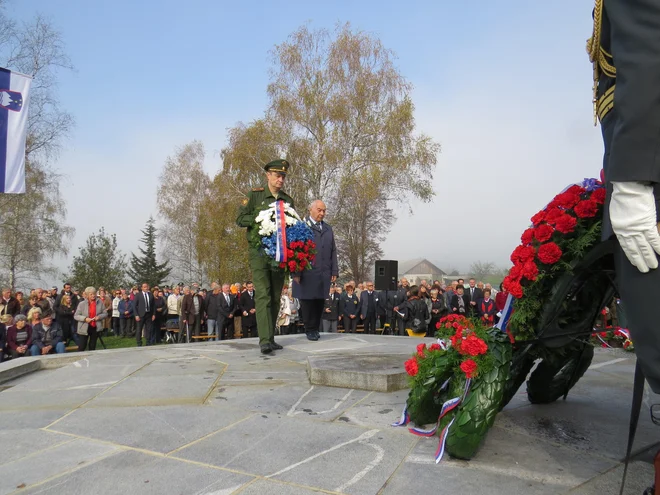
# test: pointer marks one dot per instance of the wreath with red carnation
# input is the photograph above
(560, 235)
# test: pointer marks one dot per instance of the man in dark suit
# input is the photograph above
(227, 308)
(248, 310)
(473, 295)
(369, 303)
(143, 305)
(312, 287)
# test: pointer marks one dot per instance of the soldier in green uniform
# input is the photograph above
(268, 281)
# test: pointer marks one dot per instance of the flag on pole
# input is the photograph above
(14, 97)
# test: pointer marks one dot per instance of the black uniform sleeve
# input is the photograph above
(635, 36)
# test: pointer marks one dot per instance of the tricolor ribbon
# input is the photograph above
(280, 224)
(506, 313)
(623, 332)
(448, 406)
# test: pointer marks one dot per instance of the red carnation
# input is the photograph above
(469, 367)
(527, 237)
(553, 215)
(567, 200)
(549, 253)
(516, 272)
(566, 223)
(522, 254)
(473, 346)
(292, 266)
(538, 218)
(586, 209)
(289, 253)
(283, 265)
(599, 195)
(420, 349)
(303, 264)
(411, 366)
(457, 340)
(543, 232)
(514, 287)
(530, 271)
(575, 189)
(435, 347)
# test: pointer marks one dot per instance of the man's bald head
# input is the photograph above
(317, 210)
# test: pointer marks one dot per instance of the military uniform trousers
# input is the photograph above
(268, 292)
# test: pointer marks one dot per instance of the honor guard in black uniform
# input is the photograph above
(625, 52)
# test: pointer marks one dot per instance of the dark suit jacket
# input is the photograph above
(364, 304)
(246, 303)
(454, 304)
(188, 308)
(227, 309)
(331, 303)
(315, 283)
(478, 294)
(12, 307)
(140, 305)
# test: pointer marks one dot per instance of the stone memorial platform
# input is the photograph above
(220, 418)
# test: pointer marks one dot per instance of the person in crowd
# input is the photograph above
(438, 310)
(369, 302)
(248, 311)
(144, 312)
(34, 315)
(399, 298)
(47, 337)
(500, 298)
(116, 325)
(460, 303)
(42, 300)
(330, 315)
(20, 297)
(32, 303)
(212, 310)
(284, 317)
(487, 309)
(414, 312)
(89, 315)
(161, 315)
(173, 307)
(311, 287)
(3, 341)
(65, 311)
(19, 337)
(9, 305)
(107, 302)
(125, 309)
(473, 295)
(349, 308)
(192, 307)
(227, 310)
(426, 297)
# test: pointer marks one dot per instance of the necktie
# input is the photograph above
(472, 292)
(227, 299)
(146, 300)
(250, 294)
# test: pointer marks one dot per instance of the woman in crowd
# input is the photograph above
(89, 315)
(459, 302)
(161, 313)
(115, 313)
(288, 316)
(438, 310)
(349, 308)
(34, 316)
(500, 298)
(32, 303)
(107, 304)
(19, 337)
(486, 309)
(125, 316)
(65, 318)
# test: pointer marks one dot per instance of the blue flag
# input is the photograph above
(14, 93)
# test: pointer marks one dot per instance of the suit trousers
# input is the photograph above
(226, 327)
(267, 294)
(329, 326)
(350, 324)
(312, 310)
(91, 337)
(146, 324)
(370, 323)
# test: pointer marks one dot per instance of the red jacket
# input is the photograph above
(500, 300)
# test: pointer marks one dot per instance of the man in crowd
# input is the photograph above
(473, 294)
(268, 281)
(46, 337)
(143, 306)
(226, 309)
(369, 302)
(312, 287)
(248, 311)
(9, 304)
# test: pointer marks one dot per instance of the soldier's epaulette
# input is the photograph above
(257, 189)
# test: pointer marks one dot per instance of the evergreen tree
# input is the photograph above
(98, 263)
(145, 268)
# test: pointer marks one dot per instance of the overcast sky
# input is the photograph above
(504, 87)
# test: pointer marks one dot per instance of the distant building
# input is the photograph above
(419, 269)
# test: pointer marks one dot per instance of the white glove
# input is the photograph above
(633, 217)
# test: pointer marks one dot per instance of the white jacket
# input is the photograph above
(172, 304)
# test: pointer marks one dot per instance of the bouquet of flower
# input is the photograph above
(284, 237)
(560, 235)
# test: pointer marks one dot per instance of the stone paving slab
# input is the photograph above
(220, 418)
(50, 463)
(134, 472)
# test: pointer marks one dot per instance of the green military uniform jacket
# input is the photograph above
(254, 200)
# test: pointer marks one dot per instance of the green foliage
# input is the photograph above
(98, 263)
(145, 268)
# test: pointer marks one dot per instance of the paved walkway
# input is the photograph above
(219, 418)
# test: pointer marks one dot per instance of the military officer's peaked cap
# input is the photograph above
(281, 166)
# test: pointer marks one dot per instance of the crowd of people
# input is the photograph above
(47, 321)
